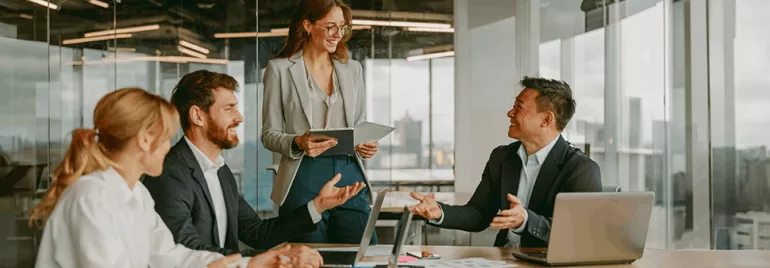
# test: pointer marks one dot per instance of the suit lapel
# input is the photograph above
(548, 173)
(230, 193)
(197, 173)
(510, 176)
(348, 92)
(299, 76)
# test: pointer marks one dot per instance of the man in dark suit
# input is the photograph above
(197, 196)
(521, 179)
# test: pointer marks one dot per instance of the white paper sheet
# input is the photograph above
(370, 132)
(470, 262)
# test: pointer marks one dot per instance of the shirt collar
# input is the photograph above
(118, 186)
(539, 155)
(205, 163)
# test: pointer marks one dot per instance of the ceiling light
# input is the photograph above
(280, 30)
(99, 3)
(272, 33)
(26, 16)
(236, 35)
(98, 38)
(433, 30)
(45, 4)
(431, 56)
(401, 24)
(248, 34)
(124, 30)
(190, 52)
(121, 49)
(169, 59)
(194, 47)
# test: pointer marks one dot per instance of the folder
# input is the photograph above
(348, 138)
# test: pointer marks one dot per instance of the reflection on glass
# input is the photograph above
(741, 160)
(616, 71)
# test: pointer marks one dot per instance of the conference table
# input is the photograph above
(652, 257)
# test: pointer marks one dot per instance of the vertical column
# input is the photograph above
(697, 136)
(528, 37)
(724, 173)
(463, 134)
(567, 69)
(486, 82)
(673, 40)
(613, 95)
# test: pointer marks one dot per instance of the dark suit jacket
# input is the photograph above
(183, 200)
(565, 169)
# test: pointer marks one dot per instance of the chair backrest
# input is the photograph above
(611, 189)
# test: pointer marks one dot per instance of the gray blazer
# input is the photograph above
(286, 109)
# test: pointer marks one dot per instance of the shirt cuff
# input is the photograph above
(523, 224)
(243, 262)
(314, 215)
(440, 220)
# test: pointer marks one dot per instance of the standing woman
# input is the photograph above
(312, 84)
(98, 214)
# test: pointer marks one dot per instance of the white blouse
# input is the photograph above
(100, 222)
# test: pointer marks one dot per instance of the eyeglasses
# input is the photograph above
(331, 30)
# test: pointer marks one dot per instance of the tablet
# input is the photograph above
(345, 141)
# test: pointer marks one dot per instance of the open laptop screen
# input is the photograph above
(402, 229)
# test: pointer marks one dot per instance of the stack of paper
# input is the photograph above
(470, 262)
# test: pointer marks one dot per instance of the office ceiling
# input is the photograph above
(199, 20)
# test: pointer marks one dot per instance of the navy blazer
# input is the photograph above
(565, 169)
(183, 201)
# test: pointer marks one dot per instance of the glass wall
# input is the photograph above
(670, 99)
(614, 55)
(738, 86)
(60, 57)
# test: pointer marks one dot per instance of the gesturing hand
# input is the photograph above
(271, 259)
(427, 208)
(314, 145)
(513, 217)
(331, 196)
(302, 256)
(367, 150)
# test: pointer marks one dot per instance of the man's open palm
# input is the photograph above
(332, 196)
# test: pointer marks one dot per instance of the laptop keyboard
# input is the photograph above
(338, 257)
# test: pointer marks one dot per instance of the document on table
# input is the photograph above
(371, 251)
(370, 132)
(470, 262)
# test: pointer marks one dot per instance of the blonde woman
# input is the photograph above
(98, 214)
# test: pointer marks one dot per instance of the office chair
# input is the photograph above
(273, 168)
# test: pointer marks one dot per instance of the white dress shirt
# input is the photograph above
(530, 169)
(210, 169)
(100, 222)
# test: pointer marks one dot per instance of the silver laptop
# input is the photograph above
(351, 258)
(595, 228)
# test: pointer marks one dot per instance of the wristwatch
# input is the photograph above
(294, 146)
